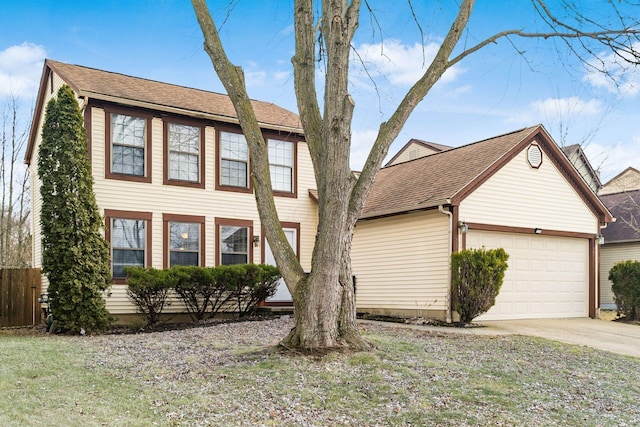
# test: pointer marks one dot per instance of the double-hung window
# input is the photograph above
(184, 240)
(127, 245)
(128, 138)
(184, 154)
(129, 236)
(281, 155)
(234, 241)
(234, 160)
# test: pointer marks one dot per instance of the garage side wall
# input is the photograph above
(610, 254)
(520, 196)
(401, 264)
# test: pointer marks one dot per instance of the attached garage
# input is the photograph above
(518, 192)
(547, 277)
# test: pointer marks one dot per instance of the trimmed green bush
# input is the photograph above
(200, 291)
(249, 283)
(148, 289)
(477, 276)
(625, 279)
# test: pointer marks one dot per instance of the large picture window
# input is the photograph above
(234, 241)
(183, 152)
(234, 160)
(281, 165)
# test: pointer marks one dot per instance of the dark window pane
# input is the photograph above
(183, 258)
(123, 258)
(228, 259)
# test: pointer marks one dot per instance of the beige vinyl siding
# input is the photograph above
(610, 254)
(160, 199)
(520, 196)
(413, 151)
(584, 170)
(401, 263)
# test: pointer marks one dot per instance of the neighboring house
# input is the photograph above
(517, 191)
(621, 238)
(579, 160)
(172, 174)
(415, 149)
(628, 179)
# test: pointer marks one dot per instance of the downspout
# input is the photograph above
(450, 215)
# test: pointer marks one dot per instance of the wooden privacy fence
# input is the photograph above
(19, 292)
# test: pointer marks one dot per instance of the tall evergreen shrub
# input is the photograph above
(75, 255)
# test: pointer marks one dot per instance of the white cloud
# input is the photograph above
(20, 69)
(557, 110)
(610, 71)
(611, 159)
(397, 63)
(361, 143)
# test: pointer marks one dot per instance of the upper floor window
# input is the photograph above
(281, 155)
(234, 160)
(184, 153)
(128, 152)
(128, 140)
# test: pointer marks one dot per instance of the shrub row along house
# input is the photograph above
(171, 175)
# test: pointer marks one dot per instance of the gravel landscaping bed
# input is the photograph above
(230, 374)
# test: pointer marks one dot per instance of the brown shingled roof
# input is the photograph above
(625, 206)
(100, 84)
(436, 179)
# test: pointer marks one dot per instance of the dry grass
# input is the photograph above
(225, 375)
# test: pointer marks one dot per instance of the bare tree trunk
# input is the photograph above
(15, 248)
(324, 300)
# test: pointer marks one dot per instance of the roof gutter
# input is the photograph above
(181, 111)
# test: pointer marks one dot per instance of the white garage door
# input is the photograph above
(547, 276)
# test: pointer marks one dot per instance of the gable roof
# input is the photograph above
(625, 206)
(135, 91)
(446, 178)
(575, 152)
(430, 145)
(628, 179)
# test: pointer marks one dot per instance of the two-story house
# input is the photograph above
(172, 174)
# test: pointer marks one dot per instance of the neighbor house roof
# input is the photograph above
(430, 145)
(446, 178)
(134, 91)
(625, 206)
(574, 153)
(628, 179)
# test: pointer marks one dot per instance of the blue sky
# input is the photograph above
(495, 90)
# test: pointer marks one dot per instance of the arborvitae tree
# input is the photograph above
(75, 255)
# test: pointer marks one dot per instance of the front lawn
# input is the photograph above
(226, 375)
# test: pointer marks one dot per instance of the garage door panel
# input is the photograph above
(547, 276)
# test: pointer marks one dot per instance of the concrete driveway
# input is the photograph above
(611, 336)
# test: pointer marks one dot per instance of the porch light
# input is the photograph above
(600, 239)
(538, 230)
(256, 241)
(463, 227)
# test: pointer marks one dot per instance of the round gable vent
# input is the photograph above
(534, 156)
